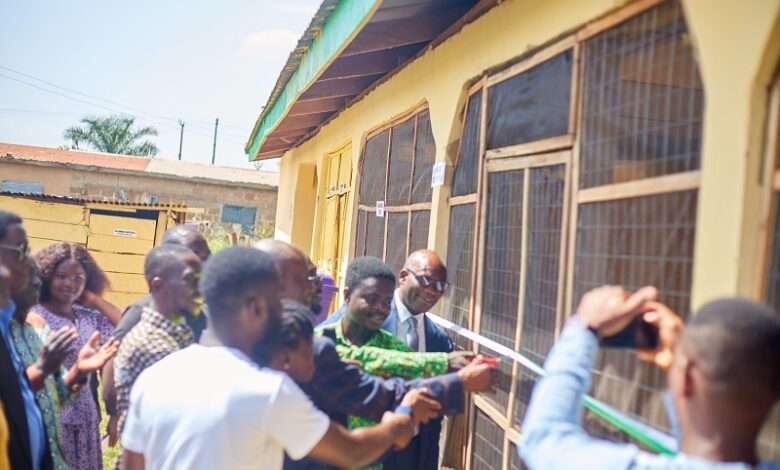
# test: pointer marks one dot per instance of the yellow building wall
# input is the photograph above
(737, 50)
(54, 180)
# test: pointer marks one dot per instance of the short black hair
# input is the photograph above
(367, 267)
(230, 273)
(295, 326)
(161, 258)
(180, 235)
(736, 342)
(6, 220)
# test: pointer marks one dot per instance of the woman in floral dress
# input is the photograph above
(70, 297)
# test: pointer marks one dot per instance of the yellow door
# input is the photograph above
(331, 247)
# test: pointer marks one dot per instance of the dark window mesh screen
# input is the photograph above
(488, 443)
(636, 242)
(643, 100)
(397, 235)
(464, 181)
(545, 218)
(421, 220)
(424, 157)
(372, 178)
(360, 239)
(532, 105)
(515, 462)
(460, 265)
(769, 441)
(502, 270)
(401, 164)
(773, 286)
(375, 235)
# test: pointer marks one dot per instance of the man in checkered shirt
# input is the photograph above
(172, 272)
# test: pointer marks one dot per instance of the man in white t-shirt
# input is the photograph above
(214, 408)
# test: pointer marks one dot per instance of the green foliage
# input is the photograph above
(220, 236)
(112, 134)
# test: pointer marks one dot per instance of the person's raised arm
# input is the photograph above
(106, 308)
(361, 447)
(553, 437)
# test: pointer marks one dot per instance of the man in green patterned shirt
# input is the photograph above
(369, 290)
(370, 285)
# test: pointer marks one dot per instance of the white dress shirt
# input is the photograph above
(403, 323)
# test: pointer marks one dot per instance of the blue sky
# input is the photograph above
(195, 60)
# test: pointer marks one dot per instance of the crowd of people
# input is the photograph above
(226, 365)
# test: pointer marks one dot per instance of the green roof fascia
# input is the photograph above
(343, 22)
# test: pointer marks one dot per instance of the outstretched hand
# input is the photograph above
(56, 349)
(478, 375)
(457, 360)
(92, 358)
(609, 309)
(670, 327)
(424, 407)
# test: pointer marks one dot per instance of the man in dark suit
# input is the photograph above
(28, 444)
(339, 388)
(421, 283)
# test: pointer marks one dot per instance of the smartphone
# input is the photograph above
(637, 335)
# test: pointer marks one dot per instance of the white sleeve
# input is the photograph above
(134, 434)
(295, 422)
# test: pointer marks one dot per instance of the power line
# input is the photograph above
(206, 126)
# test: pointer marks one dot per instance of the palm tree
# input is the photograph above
(112, 134)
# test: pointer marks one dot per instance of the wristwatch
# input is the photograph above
(403, 410)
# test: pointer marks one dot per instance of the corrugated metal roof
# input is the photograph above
(78, 200)
(146, 165)
(357, 44)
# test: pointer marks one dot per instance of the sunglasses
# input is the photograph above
(427, 281)
(22, 250)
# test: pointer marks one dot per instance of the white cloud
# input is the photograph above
(307, 10)
(268, 44)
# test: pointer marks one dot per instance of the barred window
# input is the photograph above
(396, 176)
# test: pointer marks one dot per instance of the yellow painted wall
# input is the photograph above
(440, 77)
(54, 180)
(737, 49)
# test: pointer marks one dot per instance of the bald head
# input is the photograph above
(421, 268)
(189, 237)
(292, 266)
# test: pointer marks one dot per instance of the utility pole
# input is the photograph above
(181, 137)
(214, 149)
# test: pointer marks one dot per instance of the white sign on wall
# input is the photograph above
(437, 175)
(123, 232)
(380, 208)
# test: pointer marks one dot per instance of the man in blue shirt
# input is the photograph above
(27, 447)
(723, 373)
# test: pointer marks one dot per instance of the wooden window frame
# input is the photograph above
(412, 113)
(771, 185)
(565, 149)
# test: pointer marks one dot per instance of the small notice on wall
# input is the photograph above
(123, 232)
(380, 208)
(437, 175)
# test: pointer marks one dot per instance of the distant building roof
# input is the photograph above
(80, 200)
(151, 166)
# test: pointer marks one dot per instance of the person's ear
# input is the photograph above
(347, 295)
(402, 276)
(156, 283)
(689, 376)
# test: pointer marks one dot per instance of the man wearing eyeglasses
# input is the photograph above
(421, 283)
